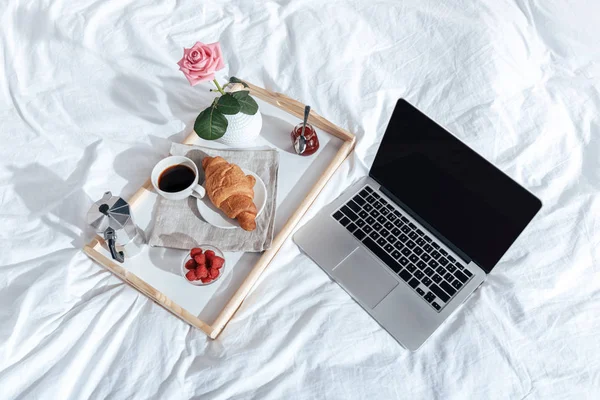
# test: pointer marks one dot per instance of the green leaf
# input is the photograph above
(228, 104)
(233, 79)
(247, 103)
(211, 124)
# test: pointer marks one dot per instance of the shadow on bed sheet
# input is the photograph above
(60, 203)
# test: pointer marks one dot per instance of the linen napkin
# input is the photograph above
(178, 223)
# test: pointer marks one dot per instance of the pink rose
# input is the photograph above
(201, 61)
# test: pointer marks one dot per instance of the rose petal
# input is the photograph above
(217, 54)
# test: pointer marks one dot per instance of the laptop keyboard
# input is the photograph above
(420, 262)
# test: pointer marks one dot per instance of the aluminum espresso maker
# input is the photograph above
(111, 219)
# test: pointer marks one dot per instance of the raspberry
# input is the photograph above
(213, 273)
(201, 272)
(217, 262)
(209, 254)
(190, 264)
(195, 251)
(205, 280)
(191, 275)
(200, 259)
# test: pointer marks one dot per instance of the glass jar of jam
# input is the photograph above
(312, 141)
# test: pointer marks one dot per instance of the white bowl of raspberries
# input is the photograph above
(203, 265)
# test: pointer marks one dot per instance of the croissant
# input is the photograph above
(230, 190)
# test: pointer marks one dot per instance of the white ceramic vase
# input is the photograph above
(242, 129)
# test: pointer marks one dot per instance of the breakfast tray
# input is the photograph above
(157, 276)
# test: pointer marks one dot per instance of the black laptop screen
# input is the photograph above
(469, 202)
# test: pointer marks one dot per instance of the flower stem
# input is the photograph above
(218, 86)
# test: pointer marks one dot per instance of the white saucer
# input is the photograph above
(216, 217)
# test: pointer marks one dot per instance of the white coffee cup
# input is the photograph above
(194, 189)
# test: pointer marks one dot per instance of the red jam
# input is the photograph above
(312, 141)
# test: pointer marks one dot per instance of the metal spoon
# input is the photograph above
(300, 143)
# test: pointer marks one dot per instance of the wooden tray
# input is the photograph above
(96, 251)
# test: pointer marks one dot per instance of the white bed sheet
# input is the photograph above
(91, 96)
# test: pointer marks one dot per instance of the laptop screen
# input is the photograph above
(453, 191)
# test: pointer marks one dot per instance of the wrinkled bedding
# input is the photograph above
(90, 99)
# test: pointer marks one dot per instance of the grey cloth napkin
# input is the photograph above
(178, 223)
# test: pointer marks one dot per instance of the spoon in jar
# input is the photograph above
(300, 143)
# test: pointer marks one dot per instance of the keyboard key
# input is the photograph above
(396, 254)
(427, 247)
(413, 283)
(449, 289)
(436, 306)
(404, 219)
(459, 266)
(370, 220)
(338, 215)
(413, 258)
(374, 235)
(434, 244)
(460, 276)
(377, 226)
(374, 213)
(420, 232)
(396, 232)
(392, 239)
(430, 297)
(421, 265)
(388, 225)
(360, 223)
(397, 213)
(449, 277)
(419, 274)
(363, 214)
(443, 261)
(403, 237)
(359, 234)
(412, 226)
(405, 275)
(364, 193)
(367, 229)
(385, 211)
(344, 221)
(392, 217)
(410, 244)
(351, 227)
(378, 251)
(411, 267)
(398, 223)
(377, 205)
(381, 219)
(384, 233)
(405, 229)
(435, 254)
(436, 278)
(425, 257)
(381, 241)
(413, 235)
(406, 251)
(467, 273)
(434, 264)
(444, 252)
(457, 284)
(439, 292)
(388, 247)
(349, 213)
(420, 241)
(399, 245)
(389, 206)
(420, 291)
(428, 271)
(370, 199)
(368, 189)
(451, 267)
(368, 207)
(452, 259)
(440, 270)
(418, 251)
(358, 200)
(404, 261)
(376, 195)
(428, 239)
(426, 281)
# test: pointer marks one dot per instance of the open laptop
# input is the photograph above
(413, 240)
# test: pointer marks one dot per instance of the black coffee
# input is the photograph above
(176, 178)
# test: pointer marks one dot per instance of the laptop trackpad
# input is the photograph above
(361, 275)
